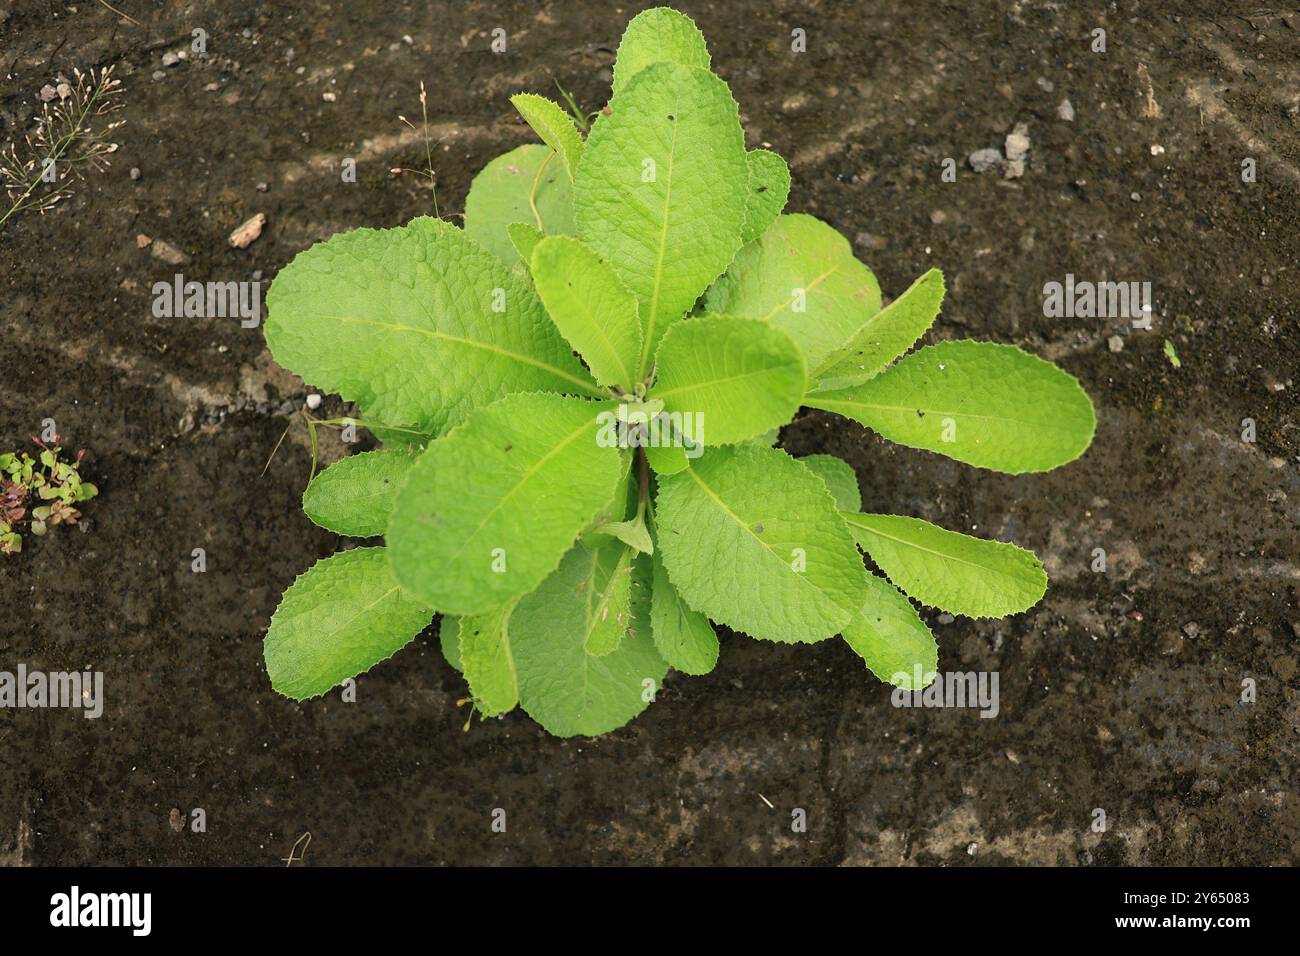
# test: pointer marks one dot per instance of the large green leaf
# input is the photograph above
(801, 276)
(401, 321)
(553, 125)
(590, 307)
(767, 192)
(527, 184)
(948, 570)
(891, 637)
(355, 495)
(742, 376)
(661, 189)
(840, 478)
(564, 688)
(655, 36)
(487, 661)
(988, 405)
(685, 638)
(488, 510)
(887, 334)
(341, 617)
(752, 539)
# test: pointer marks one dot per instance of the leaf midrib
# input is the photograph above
(587, 387)
(711, 382)
(648, 343)
(820, 401)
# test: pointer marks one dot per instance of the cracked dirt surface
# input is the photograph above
(1120, 692)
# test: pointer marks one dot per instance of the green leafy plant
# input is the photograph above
(54, 483)
(589, 377)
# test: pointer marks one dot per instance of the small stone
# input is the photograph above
(247, 33)
(938, 217)
(168, 253)
(212, 88)
(406, 38)
(48, 93)
(1192, 630)
(142, 241)
(946, 618)
(982, 160)
(870, 241)
(313, 401)
(263, 187)
(135, 172)
(1017, 143)
(1115, 343)
(1136, 197)
(796, 103)
(247, 233)
(1045, 84)
(1015, 169)
(1065, 111)
(176, 820)
(970, 850)
(329, 96)
(159, 75)
(170, 58)
(1157, 149)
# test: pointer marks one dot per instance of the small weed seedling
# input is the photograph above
(589, 378)
(55, 484)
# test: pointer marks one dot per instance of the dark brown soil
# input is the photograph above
(1120, 692)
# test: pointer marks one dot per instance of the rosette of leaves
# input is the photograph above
(648, 267)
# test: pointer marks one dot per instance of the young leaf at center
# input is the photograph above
(741, 376)
(590, 307)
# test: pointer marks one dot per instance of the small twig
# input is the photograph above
(532, 194)
(294, 856)
(120, 13)
(277, 447)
